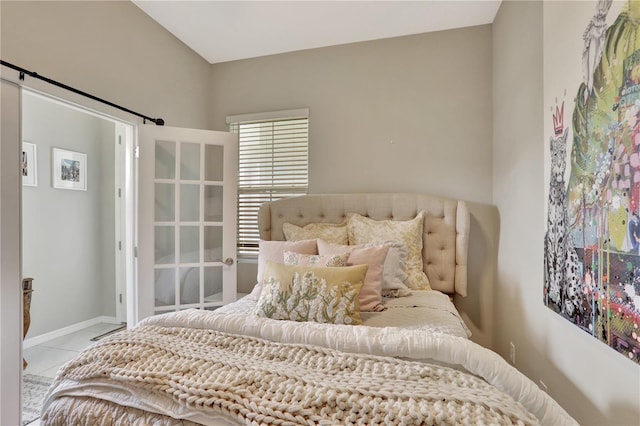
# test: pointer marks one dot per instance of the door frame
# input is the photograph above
(125, 218)
(125, 222)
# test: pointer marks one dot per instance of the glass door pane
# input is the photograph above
(213, 206)
(190, 161)
(214, 164)
(190, 202)
(165, 160)
(213, 284)
(165, 206)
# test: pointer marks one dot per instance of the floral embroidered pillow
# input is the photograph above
(299, 259)
(333, 232)
(363, 230)
(316, 294)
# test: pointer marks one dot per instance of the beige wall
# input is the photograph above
(463, 108)
(592, 382)
(406, 114)
(112, 50)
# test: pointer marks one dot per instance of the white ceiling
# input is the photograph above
(222, 31)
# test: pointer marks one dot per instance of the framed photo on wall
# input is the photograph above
(69, 169)
(29, 164)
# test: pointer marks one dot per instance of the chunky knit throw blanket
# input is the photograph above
(256, 381)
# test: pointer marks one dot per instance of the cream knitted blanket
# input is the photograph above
(256, 381)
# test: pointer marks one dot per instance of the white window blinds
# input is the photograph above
(273, 164)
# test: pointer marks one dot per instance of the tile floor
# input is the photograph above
(46, 358)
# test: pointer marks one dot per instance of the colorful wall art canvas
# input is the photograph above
(592, 168)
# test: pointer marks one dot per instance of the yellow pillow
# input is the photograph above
(363, 230)
(332, 232)
(308, 293)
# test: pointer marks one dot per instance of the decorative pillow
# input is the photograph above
(363, 230)
(394, 269)
(374, 256)
(274, 251)
(332, 232)
(311, 293)
(297, 259)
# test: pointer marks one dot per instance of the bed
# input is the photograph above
(299, 350)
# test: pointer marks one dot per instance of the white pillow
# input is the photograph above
(395, 271)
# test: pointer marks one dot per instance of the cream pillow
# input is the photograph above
(394, 272)
(374, 256)
(297, 259)
(332, 232)
(311, 293)
(274, 251)
(364, 230)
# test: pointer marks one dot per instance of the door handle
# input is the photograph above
(228, 261)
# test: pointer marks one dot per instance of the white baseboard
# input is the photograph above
(38, 340)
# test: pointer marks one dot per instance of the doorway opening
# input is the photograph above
(77, 231)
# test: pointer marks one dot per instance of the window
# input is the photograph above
(273, 163)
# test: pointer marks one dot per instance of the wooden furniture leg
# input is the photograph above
(27, 289)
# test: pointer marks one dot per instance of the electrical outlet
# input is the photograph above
(512, 353)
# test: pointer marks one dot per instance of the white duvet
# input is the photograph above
(410, 344)
(427, 310)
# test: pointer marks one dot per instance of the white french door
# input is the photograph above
(187, 199)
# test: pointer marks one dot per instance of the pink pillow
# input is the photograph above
(273, 251)
(374, 256)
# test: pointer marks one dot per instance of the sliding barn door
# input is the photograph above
(11, 318)
(187, 219)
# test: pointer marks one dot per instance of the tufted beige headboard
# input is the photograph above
(446, 226)
(449, 230)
